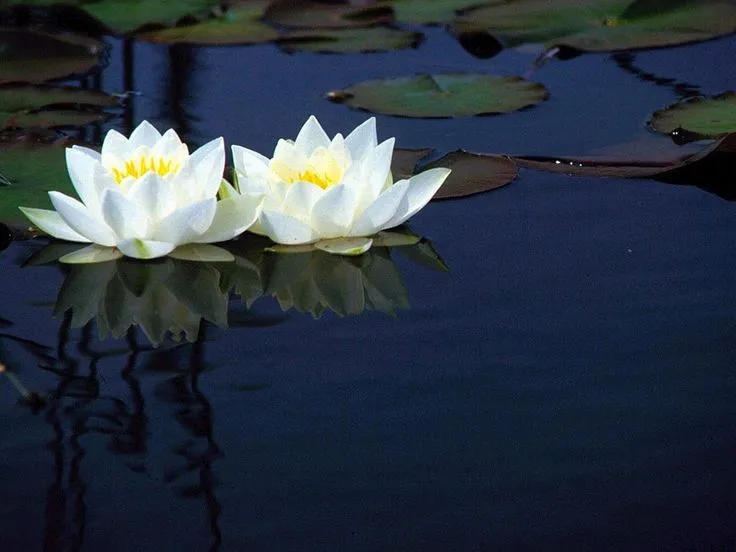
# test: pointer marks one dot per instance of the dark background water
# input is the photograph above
(568, 385)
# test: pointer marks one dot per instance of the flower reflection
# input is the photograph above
(312, 281)
(166, 296)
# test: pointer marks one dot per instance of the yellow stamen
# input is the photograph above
(322, 169)
(137, 167)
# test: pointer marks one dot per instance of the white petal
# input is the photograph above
(232, 217)
(89, 152)
(345, 246)
(421, 189)
(251, 185)
(381, 166)
(116, 144)
(153, 195)
(202, 253)
(340, 151)
(209, 163)
(145, 249)
(78, 217)
(184, 188)
(334, 213)
(81, 168)
(168, 145)
(187, 223)
(50, 222)
(124, 217)
(363, 139)
(285, 229)
(311, 136)
(145, 134)
(250, 163)
(91, 254)
(300, 198)
(380, 212)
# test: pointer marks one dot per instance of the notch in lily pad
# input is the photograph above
(442, 95)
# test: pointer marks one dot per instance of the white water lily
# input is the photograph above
(335, 192)
(145, 196)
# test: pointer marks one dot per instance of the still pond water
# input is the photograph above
(568, 384)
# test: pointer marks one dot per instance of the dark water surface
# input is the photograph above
(569, 384)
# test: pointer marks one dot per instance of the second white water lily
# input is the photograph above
(335, 192)
(144, 196)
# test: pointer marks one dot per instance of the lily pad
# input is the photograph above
(701, 116)
(442, 95)
(473, 173)
(35, 57)
(423, 12)
(30, 172)
(344, 41)
(25, 106)
(241, 24)
(301, 14)
(603, 25)
(405, 160)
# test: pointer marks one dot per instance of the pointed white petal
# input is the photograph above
(285, 229)
(145, 134)
(153, 195)
(209, 163)
(381, 167)
(91, 254)
(250, 163)
(421, 189)
(340, 151)
(300, 198)
(345, 246)
(201, 252)
(187, 223)
(311, 136)
(145, 249)
(88, 152)
(50, 222)
(184, 188)
(252, 185)
(81, 169)
(232, 217)
(333, 214)
(124, 217)
(78, 217)
(380, 212)
(168, 145)
(116, 144)
(363, 139)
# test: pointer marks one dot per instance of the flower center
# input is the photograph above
(321, 169)
(143, 164)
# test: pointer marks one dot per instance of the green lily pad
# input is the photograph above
(423, 12)
(35, 57)
(442, 95)
(25, 106)
(303, 14)
(345, 41)
(473, 173)
(602, 25)
(241, 24)
(404, 161)
(29, 172)
(701, 116)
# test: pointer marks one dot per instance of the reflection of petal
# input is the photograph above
(201, 252)
(82, 291)
(345, 246)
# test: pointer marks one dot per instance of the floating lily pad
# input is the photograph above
(343, 41)
(473, 173)
(241, 24)
(405, 160)
(29, 173)
(424, 12)
(703, 117)
(442, 95)
(25, 106)
(603, 25)
(303, 14)
(35, 57)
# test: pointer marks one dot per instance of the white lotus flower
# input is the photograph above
(333, 193)
(145, 196)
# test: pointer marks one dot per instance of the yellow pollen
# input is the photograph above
(145, 163)
(321, 169)
(323, 180)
